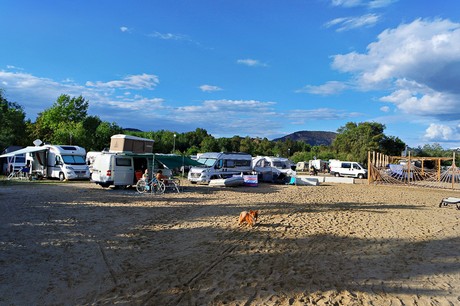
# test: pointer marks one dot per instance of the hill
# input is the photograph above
(313, 138)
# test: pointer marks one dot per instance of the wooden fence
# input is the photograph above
(434, 172)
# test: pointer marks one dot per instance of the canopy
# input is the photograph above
(175, 161)
(25, 150)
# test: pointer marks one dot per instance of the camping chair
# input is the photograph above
(292, 181)
(450, 200)
(173, 184)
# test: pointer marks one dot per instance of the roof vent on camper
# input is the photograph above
(68, 148)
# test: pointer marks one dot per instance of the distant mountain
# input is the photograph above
(313, 138)
(132, 130)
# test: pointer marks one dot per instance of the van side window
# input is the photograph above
(242, 163)
(124, 162)
(229, 163)
(346, 165)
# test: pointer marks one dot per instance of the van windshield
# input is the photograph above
(73, 160)
(207, 162)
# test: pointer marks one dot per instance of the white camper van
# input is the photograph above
(13, 163)
(347, 168)
(270, 168)
(66, 162)
(120, 169)
(219, 165)
(123, 169)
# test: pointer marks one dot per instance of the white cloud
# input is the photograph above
(329, 88)
(142, 81)
(419, 62)
(385, 109)
(349, 23)
(125, 29)
(169, 36)
(440, 132)
(209, 88)
(366, 3)
(251, 62)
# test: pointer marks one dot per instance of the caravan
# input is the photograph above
(219, 165)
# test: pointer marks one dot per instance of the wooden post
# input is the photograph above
(439, 170)
(408, 170)
(369, 174)
(453, 172)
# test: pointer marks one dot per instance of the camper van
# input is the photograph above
(120, 169)
(123, 169)
(270, 169)
(13, 163)
(219, 165)
(347, 168)
(66, 162)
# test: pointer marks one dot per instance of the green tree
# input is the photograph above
(60, 122)
(355, 140)
(209, 144)
(12, 118)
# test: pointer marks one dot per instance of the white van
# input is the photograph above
(119, 169)
(347, 168)
(219, 165)
(123, 169)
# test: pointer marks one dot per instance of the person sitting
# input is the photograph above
(160, 176)
(145, 176)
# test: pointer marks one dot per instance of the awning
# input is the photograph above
(25, 150)
(176, 161)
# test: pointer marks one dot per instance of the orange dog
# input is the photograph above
(249, 217)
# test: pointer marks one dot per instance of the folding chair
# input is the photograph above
(450, 200)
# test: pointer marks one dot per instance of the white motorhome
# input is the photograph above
(271, 168)
(219, 165)
(347, 168)
(66, 162)
(13, 163)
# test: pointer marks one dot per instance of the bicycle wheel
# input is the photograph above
(159, 187)
(141, 186)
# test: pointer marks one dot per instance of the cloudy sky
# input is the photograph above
(242, 67)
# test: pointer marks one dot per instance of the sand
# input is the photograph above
(76, 243)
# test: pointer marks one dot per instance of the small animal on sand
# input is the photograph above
(249, 217)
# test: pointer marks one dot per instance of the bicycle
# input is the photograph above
(153, 186)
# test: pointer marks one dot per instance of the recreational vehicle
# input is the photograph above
(347, 168)
(123, 169)
(120, 169)
(66, 162)
(13, 163)
(219, 165)
(271, 169)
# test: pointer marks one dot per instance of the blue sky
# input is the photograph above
(261, 68)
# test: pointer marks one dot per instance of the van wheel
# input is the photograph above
(337, 174)
(360, 176)
(61, 176)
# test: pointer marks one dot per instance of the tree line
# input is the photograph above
(67, 122)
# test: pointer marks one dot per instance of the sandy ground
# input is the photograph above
(77, 244)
